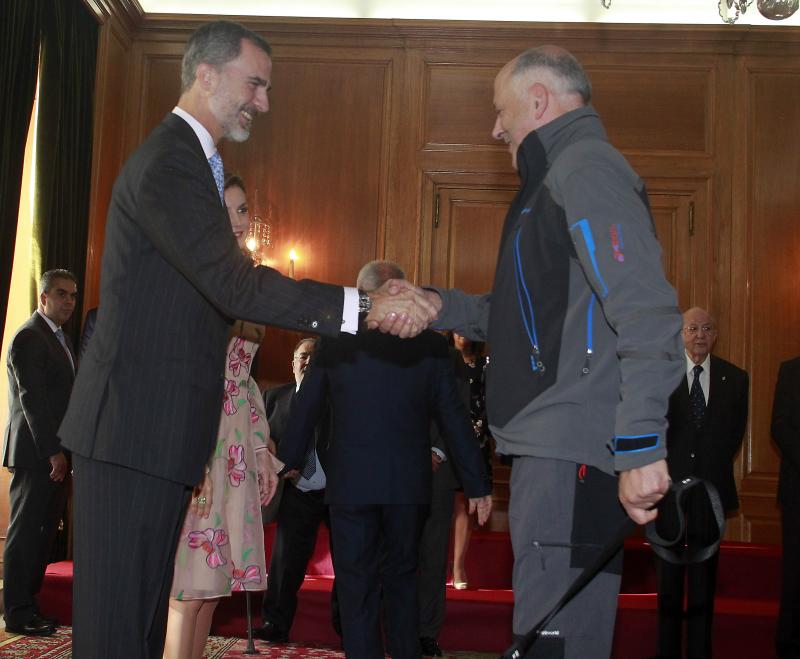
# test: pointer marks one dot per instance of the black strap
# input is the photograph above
(673, 550)
(663, 548)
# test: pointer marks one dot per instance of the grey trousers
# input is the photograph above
(560, 514)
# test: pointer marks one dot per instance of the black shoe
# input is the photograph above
(430, 648)
(40, 619)
(269, 631)
(34, 627)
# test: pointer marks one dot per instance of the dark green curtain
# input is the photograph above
(64, 140)
(19, 55)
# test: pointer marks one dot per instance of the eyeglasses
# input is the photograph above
(696, 329)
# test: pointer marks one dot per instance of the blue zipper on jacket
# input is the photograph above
(528, 318)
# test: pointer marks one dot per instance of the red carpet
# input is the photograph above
(479, 619)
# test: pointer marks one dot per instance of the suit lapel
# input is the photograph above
(55, 345)
(717, 384)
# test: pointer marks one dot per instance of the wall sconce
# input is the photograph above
(260, 238)
(292, 259)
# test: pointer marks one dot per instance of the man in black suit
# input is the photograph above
(300, 511)
(786, 432)
(41, 368)
(707, 418)
(383, 393)
(146, 405)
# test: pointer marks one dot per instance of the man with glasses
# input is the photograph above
(707, 419)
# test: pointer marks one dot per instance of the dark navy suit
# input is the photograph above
(786, 432)
(383, 392)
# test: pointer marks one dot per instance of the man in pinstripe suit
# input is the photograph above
(145, 406)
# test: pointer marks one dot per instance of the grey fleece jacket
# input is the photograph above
(583, 327)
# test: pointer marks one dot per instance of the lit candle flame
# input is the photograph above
(251, 244)
(292, 255)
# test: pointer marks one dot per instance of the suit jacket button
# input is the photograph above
(314, 324)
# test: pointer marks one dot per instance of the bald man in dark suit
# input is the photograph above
(707, 419)
(383, 394)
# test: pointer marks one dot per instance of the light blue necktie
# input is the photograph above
(63, 341)
(218, 171)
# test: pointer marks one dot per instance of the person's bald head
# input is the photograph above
(699, 333)
(535, 88)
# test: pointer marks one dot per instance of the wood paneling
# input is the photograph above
(772, 173)
(458, 105)
(655, 108)
(372, 119)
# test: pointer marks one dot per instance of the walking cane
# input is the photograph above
(251, 646)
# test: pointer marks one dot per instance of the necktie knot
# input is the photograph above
(218, 170)
(697, 370)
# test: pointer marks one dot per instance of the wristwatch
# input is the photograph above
(364, 303)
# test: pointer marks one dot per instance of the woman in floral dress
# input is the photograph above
(221, 546)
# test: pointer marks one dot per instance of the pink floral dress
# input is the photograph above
(225, 551)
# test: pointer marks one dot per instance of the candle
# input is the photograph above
(292, 257)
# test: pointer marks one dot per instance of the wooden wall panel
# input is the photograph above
(655, 108)
(458, 105)
(114, 46)
(773, 170)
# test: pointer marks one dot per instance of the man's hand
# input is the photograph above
(484, 507)
(642, 488)
(267, 466)
(58, 466)
(402, 309)
(436, 461)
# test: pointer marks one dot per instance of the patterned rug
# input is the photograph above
(58, 646)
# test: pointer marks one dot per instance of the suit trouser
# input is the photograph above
(376, 552)
(36, 504)
(299, 517)
(433, 551)
(126, 532)
(787, 639)
(560, 516)
(701, 580)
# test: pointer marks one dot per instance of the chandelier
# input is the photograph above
(730, 10)
(260, 238)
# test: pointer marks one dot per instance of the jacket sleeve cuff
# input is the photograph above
(632, 451)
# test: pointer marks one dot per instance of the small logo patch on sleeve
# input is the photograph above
(616, 243)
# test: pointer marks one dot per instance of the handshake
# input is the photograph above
(402, 309)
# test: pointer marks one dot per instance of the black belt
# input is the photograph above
(671, 550)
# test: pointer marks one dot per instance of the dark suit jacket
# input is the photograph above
(383, 393)
(39, 384)
(786, 430)
(709, 452)
(149, 391)
(87, 331)
(447, 476)
(277, 403)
